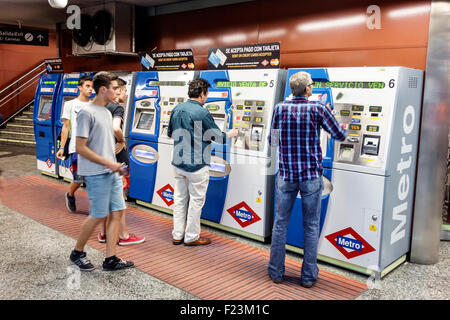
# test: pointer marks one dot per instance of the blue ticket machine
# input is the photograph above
(68, 90)
(143, 136)
(219, 105)
(44, 121)
(295, 233)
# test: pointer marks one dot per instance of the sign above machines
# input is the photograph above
(54, 65)
(169, 60)
(261, 55)
(12, 35)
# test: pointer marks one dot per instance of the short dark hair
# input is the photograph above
(121, 82)
(197, 86)
(83, 79)
(103, 79)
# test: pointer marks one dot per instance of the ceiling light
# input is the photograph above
(58, 4)
(408, 11)
(331, 23)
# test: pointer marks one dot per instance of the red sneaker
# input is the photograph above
(132, 239)
(101, 237)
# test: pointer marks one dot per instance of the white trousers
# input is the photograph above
(189, 198)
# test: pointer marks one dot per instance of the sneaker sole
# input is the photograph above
(124, 268)
(84, 270)
(130, 243)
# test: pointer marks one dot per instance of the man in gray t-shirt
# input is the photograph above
(97, 163)
(95, 124)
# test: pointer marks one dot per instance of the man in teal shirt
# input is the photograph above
(193, 129)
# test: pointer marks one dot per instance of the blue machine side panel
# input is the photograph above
(142, 91)
(295, 233)
(47, 87)
(142, 175)
(218, 186)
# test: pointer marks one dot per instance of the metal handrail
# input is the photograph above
(25, 75)
(2, 102)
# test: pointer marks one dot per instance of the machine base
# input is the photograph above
(155, 207)
(445, 232)
(353, 267)
(208, 223)
(50, 174)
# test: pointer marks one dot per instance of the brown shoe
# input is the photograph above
(177, 242)
(199, 242)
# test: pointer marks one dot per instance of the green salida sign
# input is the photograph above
(212, 107)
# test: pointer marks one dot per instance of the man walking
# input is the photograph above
(117, 112)
(187, 126)
(97, 163)
(296, 126)
(68, 135)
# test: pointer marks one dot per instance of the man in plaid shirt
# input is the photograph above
(296, 126)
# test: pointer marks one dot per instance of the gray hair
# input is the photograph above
(298, 83)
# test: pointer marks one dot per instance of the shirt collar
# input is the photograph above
(195, 101)
(301, 98)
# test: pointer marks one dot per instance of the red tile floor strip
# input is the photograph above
(225, 269)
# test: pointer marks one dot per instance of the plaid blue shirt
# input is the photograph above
(297, 124)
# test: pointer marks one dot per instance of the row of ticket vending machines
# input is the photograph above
(369, 178)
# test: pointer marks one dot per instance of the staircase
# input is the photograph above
(19, 130)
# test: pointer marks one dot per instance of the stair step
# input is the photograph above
(18, 128)
(16, 135)
(17, 142)
(25, 126)
(21, 120)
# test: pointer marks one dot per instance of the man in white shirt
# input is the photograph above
(69, 129)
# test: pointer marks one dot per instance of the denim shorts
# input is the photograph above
(105, 192)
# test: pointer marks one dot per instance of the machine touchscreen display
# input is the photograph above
(146, 121)
(46, 108)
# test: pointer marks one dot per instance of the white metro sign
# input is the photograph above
(404, 168)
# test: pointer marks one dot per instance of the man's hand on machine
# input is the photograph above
(233, 133)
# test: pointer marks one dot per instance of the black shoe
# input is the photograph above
(307, 285)
(80, 260)
(177, 242)
(70, 203)
(113, 263)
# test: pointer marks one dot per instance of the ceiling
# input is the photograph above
(38, 13)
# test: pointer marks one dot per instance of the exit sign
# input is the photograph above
(11, 35)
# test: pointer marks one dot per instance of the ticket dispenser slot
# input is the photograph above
(370, 145)
(346, 152)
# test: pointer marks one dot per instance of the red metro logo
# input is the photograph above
(349, 243)
(166, 194)
(243, 214)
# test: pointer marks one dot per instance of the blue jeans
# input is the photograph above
(311, 193)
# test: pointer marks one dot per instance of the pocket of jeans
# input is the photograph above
(311, 186)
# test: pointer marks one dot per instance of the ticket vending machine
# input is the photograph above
(367, 225)
(44, 122)
(248, 162)
(68, 90)
(143, 136)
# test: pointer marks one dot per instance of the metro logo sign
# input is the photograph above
(349, 243)
(166, 194)
(243, 214)
(49, 163)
